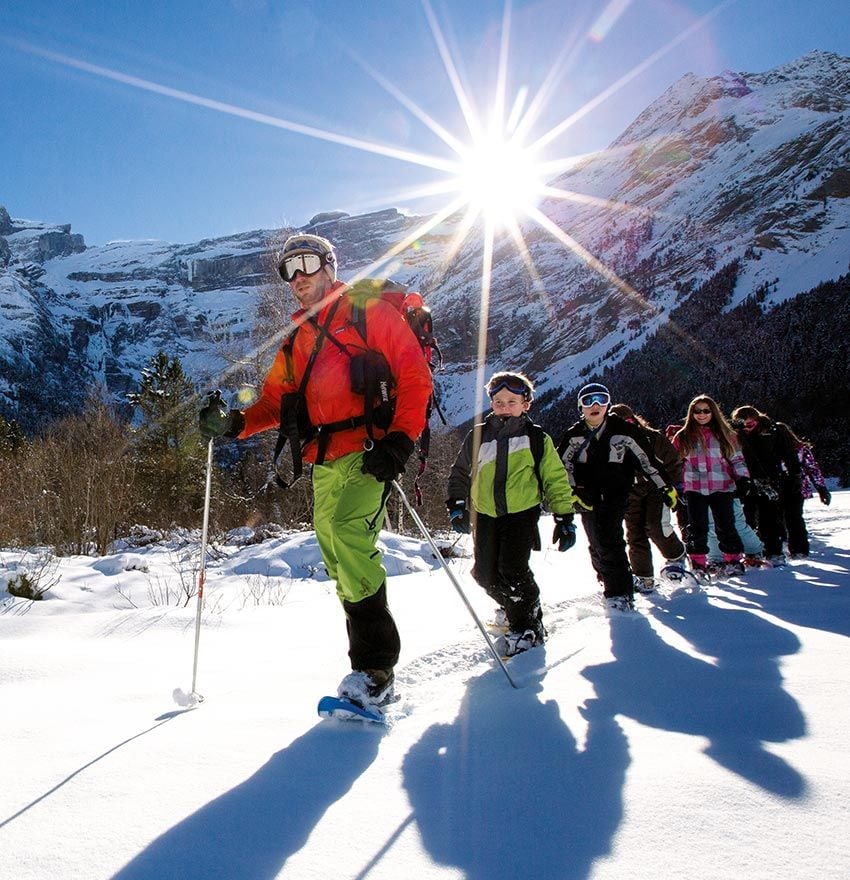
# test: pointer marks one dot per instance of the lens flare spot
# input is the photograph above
(608, 19)
(500, 178)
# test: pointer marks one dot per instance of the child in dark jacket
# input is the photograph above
(505, 468)
(775, 508)
(602, 453)
(647, 516)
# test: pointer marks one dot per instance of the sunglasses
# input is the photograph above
(599, 397)
(701, 412)
(512, 385)
(307, 264)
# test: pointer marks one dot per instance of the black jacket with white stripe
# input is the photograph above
(602, 463)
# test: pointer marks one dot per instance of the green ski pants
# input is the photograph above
(348, 513)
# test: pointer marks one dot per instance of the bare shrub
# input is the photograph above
(34, 575)
(262, 589)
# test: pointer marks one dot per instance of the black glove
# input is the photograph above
(458, 515)
(565, 532)
(670, 496)
(387, 458)
(215, 420)
(824, 495)
(766, 490)
(744, 487)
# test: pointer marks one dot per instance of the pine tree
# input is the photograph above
(169, 455)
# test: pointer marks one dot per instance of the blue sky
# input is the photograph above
(111, 113)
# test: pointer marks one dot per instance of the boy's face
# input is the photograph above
(595, 414)
(506, 403)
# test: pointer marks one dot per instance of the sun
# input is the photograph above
(493, 173)
(499, 179)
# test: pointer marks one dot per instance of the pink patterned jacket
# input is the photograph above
(707, 471)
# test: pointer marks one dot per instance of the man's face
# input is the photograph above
(310, 290)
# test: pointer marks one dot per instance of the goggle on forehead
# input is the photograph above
(515, 386)
(307, 264)
(595, 397)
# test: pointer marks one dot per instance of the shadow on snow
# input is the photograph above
(505, 791)
(250, 831)
(736, 702)
(812, 592)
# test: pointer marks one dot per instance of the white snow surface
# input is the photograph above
(704, 737)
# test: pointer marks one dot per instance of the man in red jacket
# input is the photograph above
(354, 460)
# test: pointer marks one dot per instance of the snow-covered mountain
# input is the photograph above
(754, 167)
(72, 316)
(747, 167)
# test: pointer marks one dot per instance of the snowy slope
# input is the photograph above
(740, 166)
(705, 738)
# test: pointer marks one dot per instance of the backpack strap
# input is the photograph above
(294, 405)
(536, 441)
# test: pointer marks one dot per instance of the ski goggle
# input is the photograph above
(307, 264)
(595, 397)
(515, 386)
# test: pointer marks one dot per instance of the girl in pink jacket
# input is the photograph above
(714, 471)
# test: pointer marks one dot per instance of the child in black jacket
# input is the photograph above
(602, 453)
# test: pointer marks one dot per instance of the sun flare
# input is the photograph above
(497, 176)
(500, 179)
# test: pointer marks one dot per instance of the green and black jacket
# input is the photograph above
(506, 476)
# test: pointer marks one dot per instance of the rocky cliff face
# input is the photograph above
(75, 316)
(753, 168)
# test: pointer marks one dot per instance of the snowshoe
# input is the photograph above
(778, 560)
(751, 560)
(619, 604)
(644, 585)
(704, 574)
(337, 707)
(512, 643)
(370, 689)
(676, 574)
(730, 568)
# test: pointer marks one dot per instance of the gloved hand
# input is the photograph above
(458, 515)
(744, 488)
(766, 490)
(670, 496)
(215, 420)
(387, 458)
(582, 505)
(824, 494)
(565, 532)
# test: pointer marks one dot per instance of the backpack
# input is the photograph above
(370, 376)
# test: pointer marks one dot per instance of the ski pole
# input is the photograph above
(193, 697)
(427, 535)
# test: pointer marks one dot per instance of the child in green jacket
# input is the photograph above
(504, 470)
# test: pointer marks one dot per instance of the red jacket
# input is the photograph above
(328, 393)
